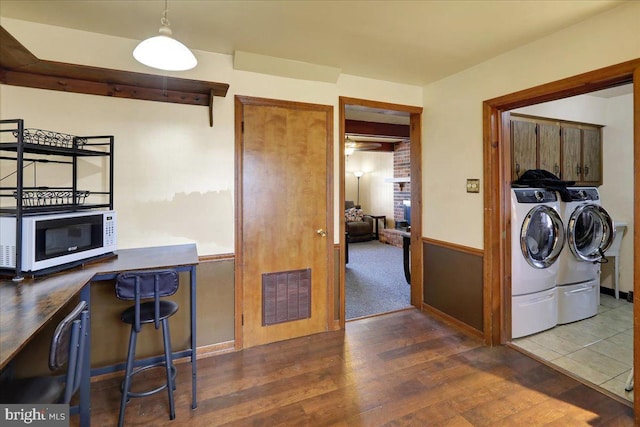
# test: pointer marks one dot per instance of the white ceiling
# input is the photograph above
(413, 42)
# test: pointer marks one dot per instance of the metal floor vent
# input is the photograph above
(286, 296)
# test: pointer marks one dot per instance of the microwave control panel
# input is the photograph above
(110, 229)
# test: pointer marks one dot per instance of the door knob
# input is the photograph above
(321, 232)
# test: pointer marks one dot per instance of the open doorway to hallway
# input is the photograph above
(377, 167)
(375, 282)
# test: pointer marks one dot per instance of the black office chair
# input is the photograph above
(67, 348)
(137, 286)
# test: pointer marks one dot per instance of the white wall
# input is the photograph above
(452, 119)
(376, 195)
(153, 196)
(617, 189)
(174, 175)
(582, 108)
(616, 192)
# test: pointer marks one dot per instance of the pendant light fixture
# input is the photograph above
(163, 51)
(349, 147)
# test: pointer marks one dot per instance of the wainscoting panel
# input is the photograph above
(453, 281)
(216, 300)
(215, 320)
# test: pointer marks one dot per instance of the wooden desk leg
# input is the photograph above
(85, 383)
(406, 258)
(346, 248)
(194, 379)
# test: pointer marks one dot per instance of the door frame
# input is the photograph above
(415, 137)
(239, 102)
(497, 216)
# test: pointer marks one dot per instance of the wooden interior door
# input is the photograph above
(284, 239)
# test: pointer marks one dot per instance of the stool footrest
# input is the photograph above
(155, 390)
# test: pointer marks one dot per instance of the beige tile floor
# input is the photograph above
(599, 349)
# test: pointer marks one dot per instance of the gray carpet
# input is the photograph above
(375, 280)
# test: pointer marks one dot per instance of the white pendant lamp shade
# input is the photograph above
(164, 52)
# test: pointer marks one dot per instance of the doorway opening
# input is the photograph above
(379, 191)
(497, 154)
(592, 336)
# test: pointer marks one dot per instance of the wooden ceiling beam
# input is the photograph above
(384, 146)
(359, 127)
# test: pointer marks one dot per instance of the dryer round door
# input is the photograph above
(541, 236)
(589, 232)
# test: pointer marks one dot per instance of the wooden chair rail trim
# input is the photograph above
(218, 257)
(454, 246)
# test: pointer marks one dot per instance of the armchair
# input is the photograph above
(359, 226)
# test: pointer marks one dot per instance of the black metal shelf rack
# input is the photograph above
(33, 147)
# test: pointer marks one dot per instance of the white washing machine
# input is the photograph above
(537, 237)
(589, 233)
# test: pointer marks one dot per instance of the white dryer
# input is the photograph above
(589, 233)
(537, 237)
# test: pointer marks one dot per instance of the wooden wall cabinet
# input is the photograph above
(535, 145)
(592, 155)
(582, 154)
(571, 151)
(524, 147)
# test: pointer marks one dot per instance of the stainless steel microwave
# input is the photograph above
(57, 239)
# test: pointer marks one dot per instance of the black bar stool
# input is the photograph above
(67, 348)
(137, 286)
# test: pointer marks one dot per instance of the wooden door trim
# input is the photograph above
(496, 149)
(636, 239)
(415, 137)
(239, 102)
(238, 295)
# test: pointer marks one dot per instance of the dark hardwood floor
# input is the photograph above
(404, 368)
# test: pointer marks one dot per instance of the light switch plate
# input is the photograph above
(473, 185)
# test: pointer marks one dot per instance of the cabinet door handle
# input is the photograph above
(577, 169)
(586, 170)
(517, 169)
(556, 169)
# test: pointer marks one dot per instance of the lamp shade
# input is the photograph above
(165, 53)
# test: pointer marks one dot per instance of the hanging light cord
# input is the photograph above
(165, 21)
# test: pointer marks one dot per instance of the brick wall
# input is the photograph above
(391, 237)
(401, 169)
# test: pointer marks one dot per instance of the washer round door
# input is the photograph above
(541, 236)
(589, 232)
